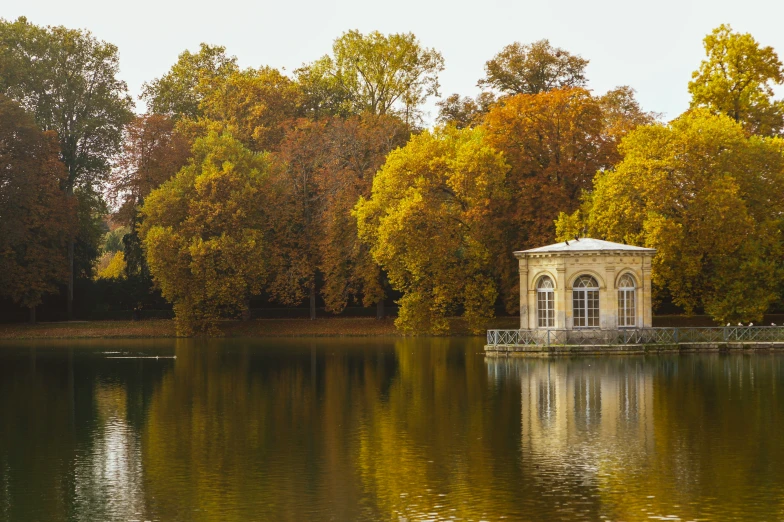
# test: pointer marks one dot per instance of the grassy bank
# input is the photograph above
(333, 327)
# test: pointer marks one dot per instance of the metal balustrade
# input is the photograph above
(552, 337)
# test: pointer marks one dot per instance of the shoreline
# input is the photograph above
(164, 328)
(290, 327)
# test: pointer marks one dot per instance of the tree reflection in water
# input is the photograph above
(384, 429)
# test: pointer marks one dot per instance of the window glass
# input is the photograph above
(545, 303)
(627, 311)
(585, 302)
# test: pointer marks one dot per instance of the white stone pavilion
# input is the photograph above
(585, 284)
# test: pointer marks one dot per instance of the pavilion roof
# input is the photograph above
(586, 244)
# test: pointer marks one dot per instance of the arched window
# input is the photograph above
(585, 302)
(545, 303)
(627, 311)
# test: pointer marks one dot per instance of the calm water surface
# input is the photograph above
(424, 429)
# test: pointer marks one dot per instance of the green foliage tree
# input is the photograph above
(36, 217)
(112, 240)
(737, 79)
(376, 73)
(202, 233)
(707, 196)
(179, 92)
(428, 224)
(322, 92)
(68, 80)
(533, 68)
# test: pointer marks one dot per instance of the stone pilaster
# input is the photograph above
(562, 296)
(608, 302)
(647, 301)
(524, 306)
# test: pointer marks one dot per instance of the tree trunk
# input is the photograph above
(32, 315)
(69, 305)
(312, 301)
(246, 310)
(380, 309)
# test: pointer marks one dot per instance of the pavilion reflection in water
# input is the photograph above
(583, 409)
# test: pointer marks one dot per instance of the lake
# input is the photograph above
(383, 429)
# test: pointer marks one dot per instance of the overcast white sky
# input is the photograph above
(652, 46)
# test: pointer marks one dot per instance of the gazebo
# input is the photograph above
(586, 284)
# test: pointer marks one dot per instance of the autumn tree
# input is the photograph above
(737, 79)
(463, 111)
(152, 152)
(357, 146)
(112, 266)
(622, 114)
(203, 233)
(376, 73)
(36, 217)
(180, 91)
(554, 143)
(326, 166)
(533, 68)
(254, 105)
(707, 196)
(294, 227)
(323, 95)
(68, 80)
(428, 224)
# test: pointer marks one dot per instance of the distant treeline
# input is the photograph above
(323, 188)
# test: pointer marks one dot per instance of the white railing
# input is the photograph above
(721, 334)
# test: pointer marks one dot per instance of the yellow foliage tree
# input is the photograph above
(202, 233)
(428, 224)
(253, 105)
(737, 79)
(114, 269)
(708, 198)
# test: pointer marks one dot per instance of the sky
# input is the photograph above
(652, 46)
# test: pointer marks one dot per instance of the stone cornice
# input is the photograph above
(585, 253)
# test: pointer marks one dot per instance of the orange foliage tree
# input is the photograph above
(152, 153)
(327, 165)
(36, 217)
(554, 143)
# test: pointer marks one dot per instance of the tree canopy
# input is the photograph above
(428, 224)
(36, 217)
(377, 73)
(255, 105)
(203, 234)
(708, 198)
(179, 92)
(737, 79)
(68, 80)
(322, 186)
(533, 68)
